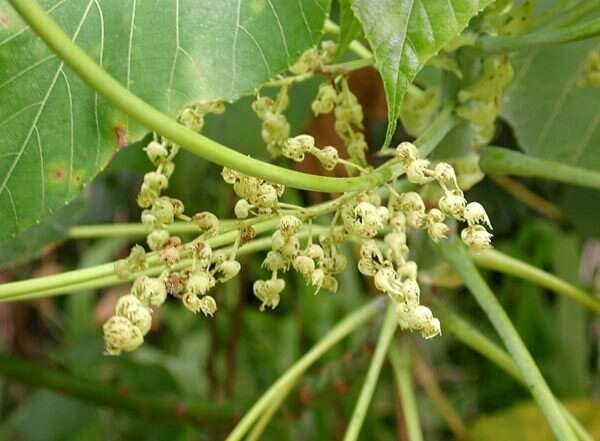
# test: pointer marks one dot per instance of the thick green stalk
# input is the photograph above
(497, 261)
(120, 97)
(576, 32)
(126, 230)
(388, 329)
(501, 161)
(456, 255)
(400, 361)
(149, 407)
(473, 338)
(341, 330)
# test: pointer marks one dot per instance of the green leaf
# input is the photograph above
(405, 34)
(37, 237)
(56, 134)
(350, 28)
(552, 117)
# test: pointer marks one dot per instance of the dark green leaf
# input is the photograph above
(404, 34)
(57, 134)
(350, 28)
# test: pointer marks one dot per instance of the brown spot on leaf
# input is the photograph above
(57, 174)
(5, 20)
(121, 135)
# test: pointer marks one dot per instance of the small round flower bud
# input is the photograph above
(475, 214)
(411, 291)
(208, 306)
(291, 247)
(438, 231)
(289, 225)
(330, 283)
(446, 177)
(295, 148)
(191, 302)
(202, 252)
(156, 151)
(431, 329)
(148, 218)
(228, 270)
(314, 251)
(163, 210)
(207, 222)
(416, 219)
(370, 251)
(277, 240)
(407, 153)
(149, 290)
(386, 280)
(156, 181)
(130, 307)
(242, 209)
(192, 119)
(453, 205)
(418, 172)
(157, 238)
(121, 335)
(408, 270)
(317, 278)
(267, 196)
(476, 237)
(304, 265)
(275, 261)
(411, 201)
(327, 156)
(268, 292)
(398, 222)
(367, 267)
(229, 176)
(121, 269)
(200, 283)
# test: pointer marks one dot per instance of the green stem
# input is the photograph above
(575, 32)
(473, 338)
(355, 46)
(497, 261)
(123, 99)
(366, 393)
(267, 415)
(341, 330)
(501, 161)
(149, 407)
(126, 230)
(400, 361)
(456, 255)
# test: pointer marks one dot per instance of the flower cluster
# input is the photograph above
(275, 127)
(317, 264)
(132, 320)
(314, 58)
(481, 101)
(296, 148)
(193, 116)
(451, 204)
(256, 194)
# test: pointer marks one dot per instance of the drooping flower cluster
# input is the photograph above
(256, 194)
(296, 148)
(314, 58)
(275, 127)
(452, 204)
(132, 320)
(317, 264)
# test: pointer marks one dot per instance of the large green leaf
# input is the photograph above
(404, 34)
(56, 134)
(551, 115)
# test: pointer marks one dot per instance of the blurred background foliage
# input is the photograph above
(221, 365)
